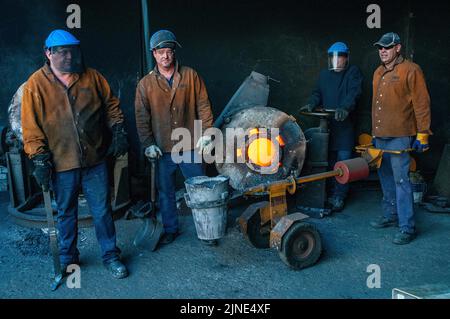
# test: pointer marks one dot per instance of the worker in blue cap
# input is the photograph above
(338, 88)
(66, 110)
(401, 119)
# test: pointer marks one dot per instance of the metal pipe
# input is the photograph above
(146, 26)
(319, 176)
(288, 181)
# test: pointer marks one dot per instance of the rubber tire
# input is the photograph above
(254, 235)
(287, 252)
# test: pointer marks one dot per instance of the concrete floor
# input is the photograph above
(234, 269)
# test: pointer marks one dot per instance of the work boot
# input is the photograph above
(209, 242)
(336, 203)
(403, 237)
(167, 238)
(384, 222)
(117, 269)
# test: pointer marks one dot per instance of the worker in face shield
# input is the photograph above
(66, 111)
(337, 60)
(338, 88)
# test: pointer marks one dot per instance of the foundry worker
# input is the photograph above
(66, 110)
(171, 96)
(401, 119)
(338, 88)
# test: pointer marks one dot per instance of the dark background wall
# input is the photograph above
(226, 40)
(110, 36)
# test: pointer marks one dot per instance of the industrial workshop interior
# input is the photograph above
(198, 150)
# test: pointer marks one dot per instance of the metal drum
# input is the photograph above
(250, 130)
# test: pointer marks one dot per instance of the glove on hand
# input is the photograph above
(42, 170)
(205, 144)
(307, 108)
(119, 142)
(421, 143)
(153, 151)
(340, 114)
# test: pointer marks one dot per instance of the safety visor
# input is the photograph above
(66, 50)
(67, 58)
(337, 61)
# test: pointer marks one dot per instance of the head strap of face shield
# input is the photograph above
(338, 53)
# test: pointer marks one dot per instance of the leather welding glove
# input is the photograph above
(205, 144)
(340, 114)
(421, 143)
(42, 170)
(119, 142)
(153, 151)
(307, 108)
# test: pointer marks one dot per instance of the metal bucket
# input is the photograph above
(208, 197)
(418, 186)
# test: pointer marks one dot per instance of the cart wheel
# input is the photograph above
(257, 235)
(301, 246)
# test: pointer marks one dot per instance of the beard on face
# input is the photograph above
(73, 65)
(68, 63)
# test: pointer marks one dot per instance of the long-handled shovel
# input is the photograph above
(152, 229)
(53, 239)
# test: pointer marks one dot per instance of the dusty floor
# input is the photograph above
(234, 269)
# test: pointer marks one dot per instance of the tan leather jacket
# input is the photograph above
(400, 102)
(68, 122)
(160, 108)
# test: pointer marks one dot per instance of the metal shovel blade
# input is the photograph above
(57, 282)
(149, 234)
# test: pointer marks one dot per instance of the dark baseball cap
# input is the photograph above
(387, 40)
(163, 39)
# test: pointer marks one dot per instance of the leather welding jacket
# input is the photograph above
(160, 108)
(336, 90)
(400, 102)
(71, 122)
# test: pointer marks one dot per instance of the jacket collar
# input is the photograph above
(50, 75)
(398, 60)
(176, 77)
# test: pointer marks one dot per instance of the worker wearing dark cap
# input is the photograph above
(401, 119)
(171, 96)
(338, 88)
(66, 110)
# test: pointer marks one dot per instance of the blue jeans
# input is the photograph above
(394, 178)
(337, 189)
(166, 185)
(94, 183)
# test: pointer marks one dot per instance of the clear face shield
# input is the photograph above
(67, 59)
(337, 61)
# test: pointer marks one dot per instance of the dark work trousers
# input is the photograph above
(94, 183)
(398, 202)
(336, 189)
(167, 183)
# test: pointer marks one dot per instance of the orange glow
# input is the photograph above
(262, 151)
(280, 140)
(253, 131)
(239, 152)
